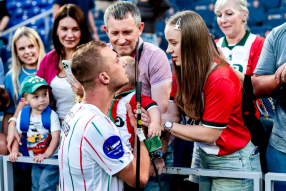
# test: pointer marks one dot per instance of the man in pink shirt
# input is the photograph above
(123, 26)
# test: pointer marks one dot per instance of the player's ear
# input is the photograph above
(104, 78)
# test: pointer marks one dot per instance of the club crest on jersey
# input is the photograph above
(112, 147)
(119, 122)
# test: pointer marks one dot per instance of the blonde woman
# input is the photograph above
(27, 54)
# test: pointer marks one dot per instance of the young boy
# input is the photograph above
(118, 112)
(39, 128)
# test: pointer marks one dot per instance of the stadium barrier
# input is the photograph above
(1, 173)
(270, 177)
(256, 176)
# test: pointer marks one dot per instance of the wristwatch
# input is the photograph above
(168, 125)
(12, 119)
(159, 155)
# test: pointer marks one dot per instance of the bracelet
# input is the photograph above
(12, 119)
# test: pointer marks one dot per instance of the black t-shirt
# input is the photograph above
(148, 16)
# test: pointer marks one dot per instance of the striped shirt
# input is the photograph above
(91, 151)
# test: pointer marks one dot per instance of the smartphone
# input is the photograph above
(67, 68)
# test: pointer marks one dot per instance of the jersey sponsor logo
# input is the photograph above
(66, 128)
(119, 122)
(112, 147)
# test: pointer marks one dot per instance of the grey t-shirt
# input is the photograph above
(273, 55)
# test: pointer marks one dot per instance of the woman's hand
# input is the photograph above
(76, 86)
(12, 134)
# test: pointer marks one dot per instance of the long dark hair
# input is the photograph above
(197, 55)
(73, 11)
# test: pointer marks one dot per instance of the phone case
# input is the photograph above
(67, 68)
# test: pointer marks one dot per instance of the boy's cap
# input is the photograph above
(32, 83)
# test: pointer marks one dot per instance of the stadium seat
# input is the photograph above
(275, 17)
(5, 54)
(11, 6)
(33, 11)
(97, 14)
(256, 11)
(206, 10)
(261, 30)
(42, 34)
(272, 3)
(27, 4)
(283, 3)
(160, 26)
(185, 4)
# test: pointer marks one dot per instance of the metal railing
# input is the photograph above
(256, 176)
(8, 169)
(270, 177)
(44, 15)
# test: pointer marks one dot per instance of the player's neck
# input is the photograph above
(99, 98)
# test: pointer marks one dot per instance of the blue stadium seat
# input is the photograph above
(27, 4)
(18, 12)
(206, 10)
(261, 30)
(275, 17)
(5, 53)
(256, 11)
(283, 3)
(272, 3)
(185, 4)
(97, 14)
(11, 6)
(42, 34)
(160, 26)
(99, 25)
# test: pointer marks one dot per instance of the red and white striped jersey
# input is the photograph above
(91, 151)
(118, 114)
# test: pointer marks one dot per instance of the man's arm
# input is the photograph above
(264, 85)
(56, 7)
(92, 25)
(128, 174)
(3, 23)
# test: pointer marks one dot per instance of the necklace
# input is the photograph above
(27, 72)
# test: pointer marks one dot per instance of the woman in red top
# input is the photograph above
(209, 92)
